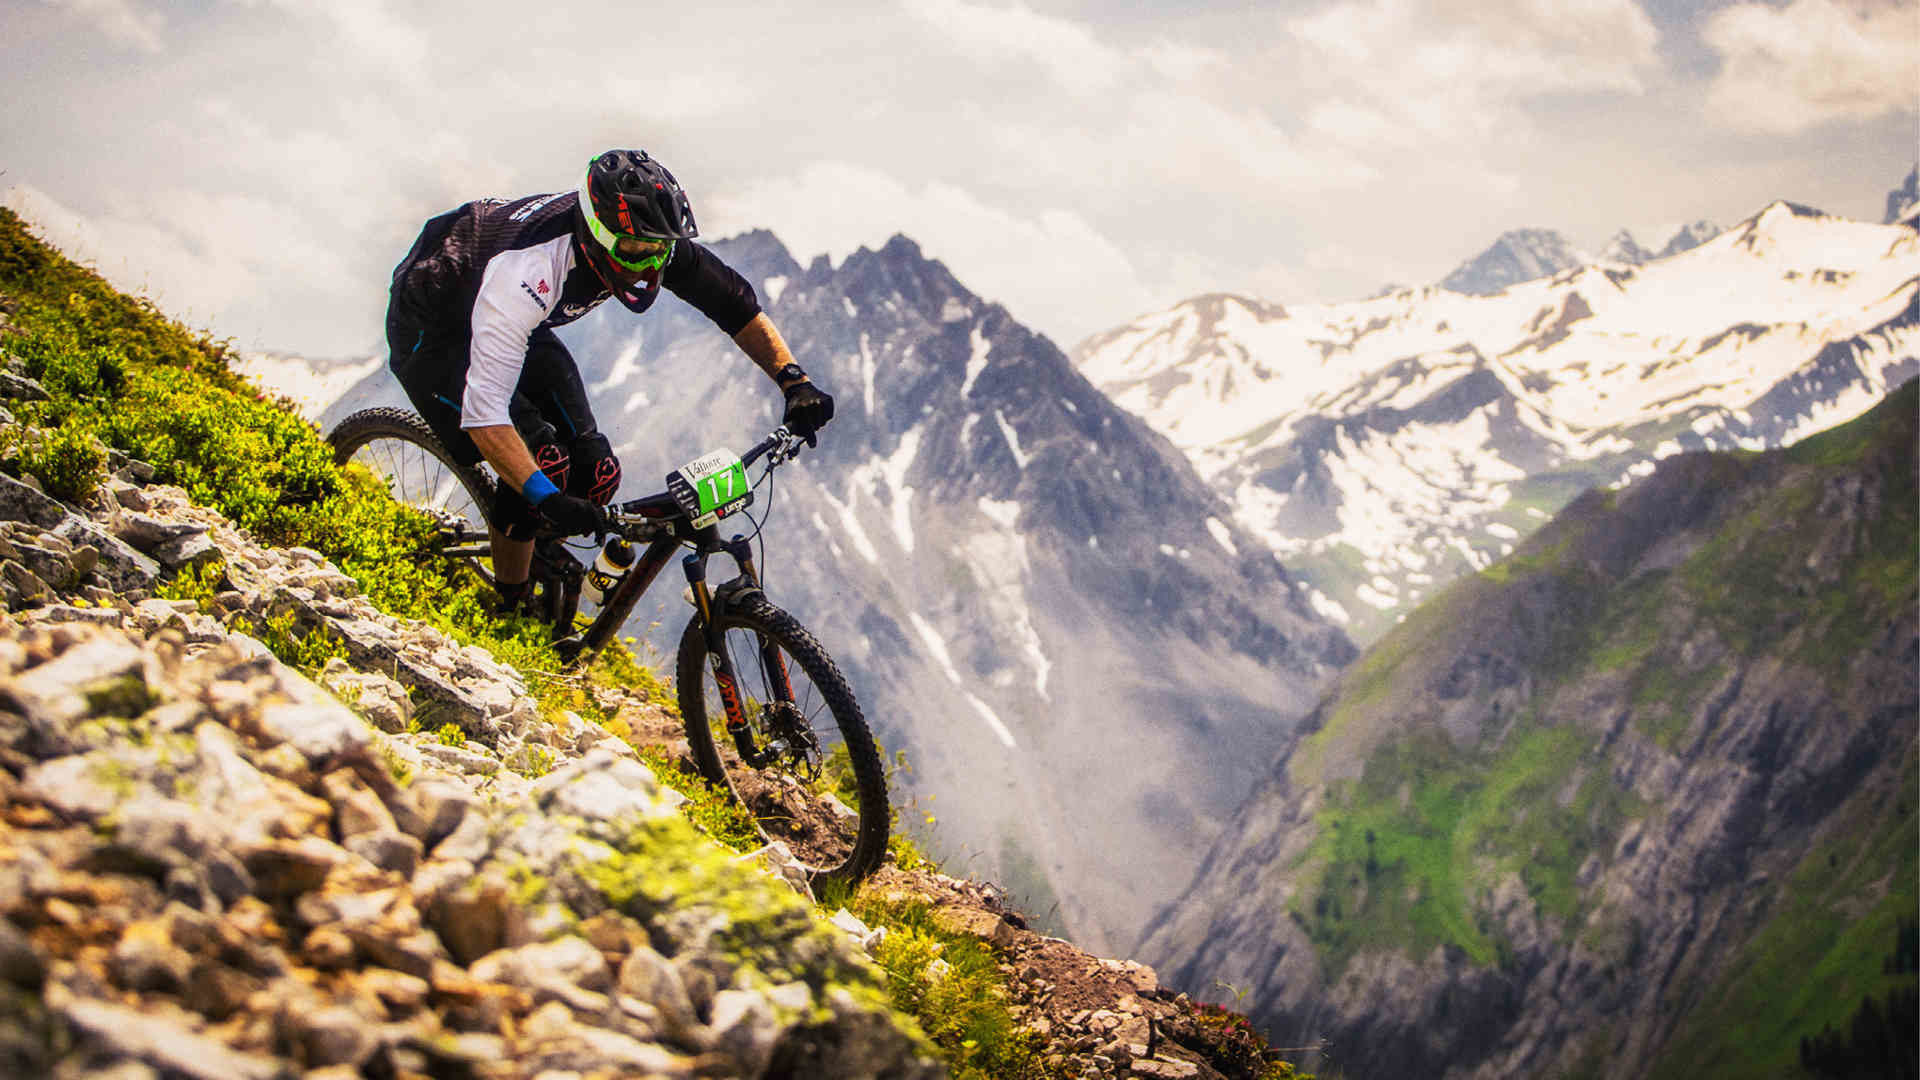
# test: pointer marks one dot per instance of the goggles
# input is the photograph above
(636, 253)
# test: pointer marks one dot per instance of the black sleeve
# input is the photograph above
(697, 276)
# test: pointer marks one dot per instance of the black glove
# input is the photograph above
(808, 410)
(574, 515)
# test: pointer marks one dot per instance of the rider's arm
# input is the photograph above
(762, 343)
(697, 276)
(516, 289)
(506, 451)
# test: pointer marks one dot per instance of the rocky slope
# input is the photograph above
(1385, 447)
(211, 867)
(1639, 799)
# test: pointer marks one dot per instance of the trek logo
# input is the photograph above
(542, 287)
(532, 208)
(534, 296)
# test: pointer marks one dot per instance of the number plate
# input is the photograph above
(710, 487)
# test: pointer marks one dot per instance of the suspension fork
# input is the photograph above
(772, 660)
(719, 658)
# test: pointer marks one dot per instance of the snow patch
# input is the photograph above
(773, 287)
(850, 527)
(977, 362)
(993, 721)
(852, 312)
(998, 559)
(1221, 536)
(1328, 607)
(868, 366)
(1375, 598)
(936, 646)
(1013, 440)
(625, 366)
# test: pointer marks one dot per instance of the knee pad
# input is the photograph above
(553, 459)
(598, 477)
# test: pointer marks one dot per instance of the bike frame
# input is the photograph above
(658, 521)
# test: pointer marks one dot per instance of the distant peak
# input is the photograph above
(900, 244)
(1518, 255)
(1216, 304)
(1800, 210)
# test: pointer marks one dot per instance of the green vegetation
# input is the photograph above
(1409, 855)
(68, 461)
(953, 985)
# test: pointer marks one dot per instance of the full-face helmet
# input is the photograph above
(631, 210)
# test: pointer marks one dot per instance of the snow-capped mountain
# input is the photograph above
(1527, 254)
(1086, 661)
(1520, 255)
(1624, 248)
(1384, 447)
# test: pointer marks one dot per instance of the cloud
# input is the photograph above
(995, 36)
(1039, 264)
(187, 278)
(124, 21)
(1459, 68)
(1814, 61)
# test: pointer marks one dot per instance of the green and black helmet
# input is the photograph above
(632, 210)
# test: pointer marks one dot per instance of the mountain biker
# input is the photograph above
(470, 323)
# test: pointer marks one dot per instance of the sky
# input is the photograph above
(256, 167)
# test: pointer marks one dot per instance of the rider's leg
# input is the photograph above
(512, 559)
(512, 518)
(551, 382)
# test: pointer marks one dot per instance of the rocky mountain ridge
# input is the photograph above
(1385, 447)
(1521, 255)
(1639, 797)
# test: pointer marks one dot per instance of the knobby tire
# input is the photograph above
(765, 622)
(371, 426)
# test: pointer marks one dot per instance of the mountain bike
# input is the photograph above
(785, 708)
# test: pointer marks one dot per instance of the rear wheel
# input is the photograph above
(803, 762)
(398, 445)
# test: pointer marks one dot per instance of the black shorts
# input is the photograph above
(549, 409)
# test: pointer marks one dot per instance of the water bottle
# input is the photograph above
(615, 559)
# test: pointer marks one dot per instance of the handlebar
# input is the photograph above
(648, 511)
(784, 445)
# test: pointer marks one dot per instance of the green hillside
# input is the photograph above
(1499, 733)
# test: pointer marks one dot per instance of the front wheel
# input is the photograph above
(799, 756)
